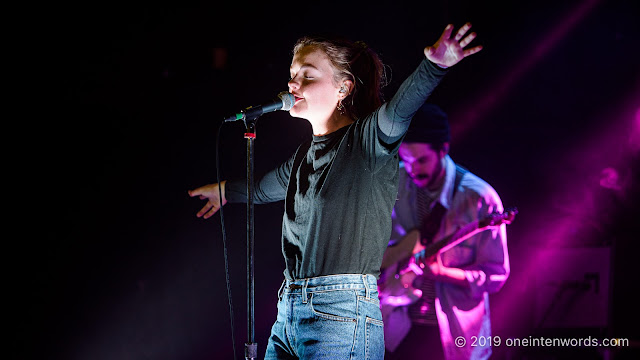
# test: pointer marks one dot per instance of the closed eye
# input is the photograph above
(306, 77)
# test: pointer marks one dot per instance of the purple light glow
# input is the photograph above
(564, 270)
(472, 113)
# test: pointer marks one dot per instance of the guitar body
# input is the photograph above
(396, 287)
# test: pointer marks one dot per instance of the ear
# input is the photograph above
(445, 149)
(345, 88)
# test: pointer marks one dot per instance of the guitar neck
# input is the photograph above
(450, 241)
(466, 232)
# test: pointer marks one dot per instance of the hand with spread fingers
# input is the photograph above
(447, 52)
(211, 193)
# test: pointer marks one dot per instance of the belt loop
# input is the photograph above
(281, 290)
(366, 286)
(304, 290)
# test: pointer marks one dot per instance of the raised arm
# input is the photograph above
(396, 115)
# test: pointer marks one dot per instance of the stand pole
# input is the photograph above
(251, 348)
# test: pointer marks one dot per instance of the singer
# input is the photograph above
(339, 189)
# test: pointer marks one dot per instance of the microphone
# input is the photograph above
(284, 102)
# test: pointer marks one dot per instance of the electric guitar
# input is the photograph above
(395, 285)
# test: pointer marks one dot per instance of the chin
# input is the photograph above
(295, 112)
(421, 183)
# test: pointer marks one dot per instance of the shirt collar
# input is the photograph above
(450, 177)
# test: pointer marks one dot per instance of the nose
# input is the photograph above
(412, 170)
(408, 167)
(293, 84)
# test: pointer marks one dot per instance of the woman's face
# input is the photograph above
(312, 84)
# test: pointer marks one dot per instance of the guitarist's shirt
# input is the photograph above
(339, 189)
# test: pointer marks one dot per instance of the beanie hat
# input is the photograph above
(429, 125)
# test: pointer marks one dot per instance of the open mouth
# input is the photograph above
(419, 177)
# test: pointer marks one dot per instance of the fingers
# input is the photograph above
(446, 34)
(201, 191)
(197, 192)
(467, 39)
(472, 51)
(463, 30)
(208, 210)
(211, 194)
(204, 209)
(211, 212)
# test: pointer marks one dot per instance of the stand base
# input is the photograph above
(250, 351)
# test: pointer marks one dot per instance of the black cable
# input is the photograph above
(224, 244)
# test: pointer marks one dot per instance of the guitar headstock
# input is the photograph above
(496, 218)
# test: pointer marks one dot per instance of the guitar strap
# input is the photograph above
(423, 311)
(431, 224)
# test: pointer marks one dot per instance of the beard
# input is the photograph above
(429, 181)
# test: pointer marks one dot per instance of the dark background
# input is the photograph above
(121, 268)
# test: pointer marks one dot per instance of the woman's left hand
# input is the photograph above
(447, 52)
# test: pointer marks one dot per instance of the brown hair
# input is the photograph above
(353, 61)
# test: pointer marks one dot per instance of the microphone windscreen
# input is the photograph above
(287, 100)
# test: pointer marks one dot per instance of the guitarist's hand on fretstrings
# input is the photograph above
(418, 247)
(419, 266)
(430, 266)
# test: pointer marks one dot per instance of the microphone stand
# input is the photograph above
(249, 117)
(251, 348)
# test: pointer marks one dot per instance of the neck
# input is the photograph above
(439, 181)
(335, 122)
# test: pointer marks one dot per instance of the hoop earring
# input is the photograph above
(340, 107)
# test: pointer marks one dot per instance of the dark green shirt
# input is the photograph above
(339, 189)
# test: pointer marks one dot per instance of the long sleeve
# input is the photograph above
(396, 115)
(492, 267)
(271, 187)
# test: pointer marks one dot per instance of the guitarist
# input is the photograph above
(426, 309)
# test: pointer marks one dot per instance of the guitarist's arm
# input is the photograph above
(409, 245)
(450, 275)
(489, 268)
(401, 250)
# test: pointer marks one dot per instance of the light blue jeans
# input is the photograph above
(328, 317)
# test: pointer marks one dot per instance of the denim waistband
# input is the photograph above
(331, 282)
